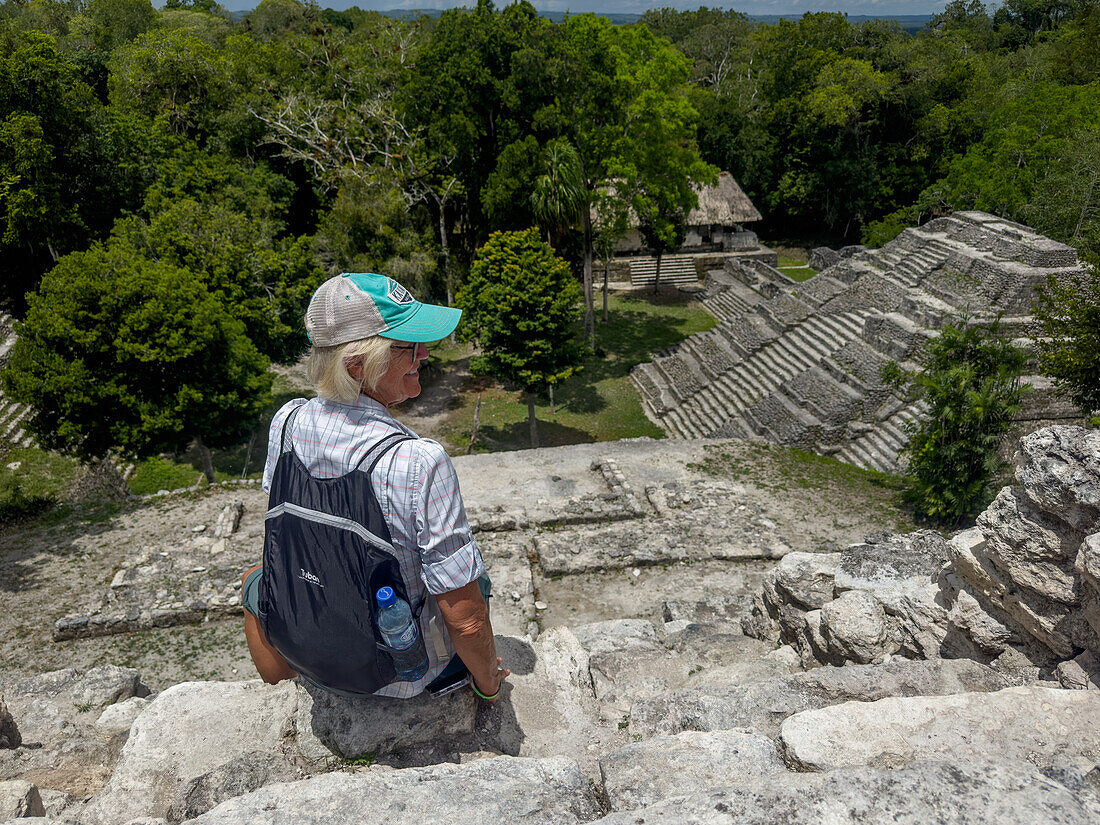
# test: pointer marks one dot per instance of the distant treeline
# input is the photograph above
(268, 150)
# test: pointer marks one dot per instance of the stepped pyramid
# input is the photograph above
(12, 414)
(799, 363)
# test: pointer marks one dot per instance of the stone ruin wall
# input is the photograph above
(799, 363)
(1020, 590)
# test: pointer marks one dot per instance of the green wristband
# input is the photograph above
(482, 695)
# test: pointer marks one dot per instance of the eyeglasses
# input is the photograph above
(406, 348)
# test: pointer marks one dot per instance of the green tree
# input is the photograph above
(559, 196)
(971, 382)
(121, 353)
(520, 304)
(1067, 314)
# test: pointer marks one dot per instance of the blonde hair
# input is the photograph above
(327, 368)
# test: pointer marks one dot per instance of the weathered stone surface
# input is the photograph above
(1059, 470)
(1027, 548)
(538, 791)
(1088, 560)
(806, 578)
(185, 732)
(350, 727)
(235, 778)
(512, 605)
(714, 609)
(56, 713)
(1019, 723)
(643, 773)
(854, 627)
(822, 257)
(762, 706)
(9, 731)
(19, 798)
(884, 562)
(1082, 673)
(945, 793)
(121, 715)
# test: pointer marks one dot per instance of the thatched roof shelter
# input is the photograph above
(724, 204)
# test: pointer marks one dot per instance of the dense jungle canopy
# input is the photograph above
(258, 155)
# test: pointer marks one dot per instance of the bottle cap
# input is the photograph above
(385, 596)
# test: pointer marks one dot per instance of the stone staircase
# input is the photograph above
(12, 414)
(675, 269)
(800, 364)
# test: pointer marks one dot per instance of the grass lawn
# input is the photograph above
(598, 404)
(795, 268)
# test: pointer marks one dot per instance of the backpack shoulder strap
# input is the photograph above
(376, 452)
(286, 428)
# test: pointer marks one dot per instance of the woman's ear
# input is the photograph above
(355, 369)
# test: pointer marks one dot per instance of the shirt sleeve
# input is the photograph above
(449, 555)
(274, 440)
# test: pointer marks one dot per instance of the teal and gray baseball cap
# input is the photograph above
(359, 305)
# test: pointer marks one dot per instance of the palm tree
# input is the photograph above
(559, 195)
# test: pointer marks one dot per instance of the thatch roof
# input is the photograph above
(723, 204)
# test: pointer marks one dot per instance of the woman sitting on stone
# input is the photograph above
(368, 335)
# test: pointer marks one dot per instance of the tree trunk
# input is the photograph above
(531, 419)
(551, 386)
(207, 460)
(589, 312)
(657, 274)
(606, 275)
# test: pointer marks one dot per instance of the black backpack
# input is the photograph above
(327, 550)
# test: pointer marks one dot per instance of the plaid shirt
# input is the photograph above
(417, 489)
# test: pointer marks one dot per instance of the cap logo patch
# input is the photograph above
(398, 294)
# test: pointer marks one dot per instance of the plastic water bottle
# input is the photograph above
(400, 633)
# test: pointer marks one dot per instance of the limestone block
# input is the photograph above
(121, 715)
(1088, 560)
(185, 732)
(1080, 673)
(959, 793)
(504, 789)
(887, 562)
(690, 763)
(966, 614)
(1036, 616)
(512, 606)
(1029, 550)
(350, 727)
(1035, 724)
(854, 627)
(806, 578)
(9, 731)
(627, 662)
(235, 778)
(761, 706)
(19, 798)
(1059, 470)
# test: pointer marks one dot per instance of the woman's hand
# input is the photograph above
(498, 676)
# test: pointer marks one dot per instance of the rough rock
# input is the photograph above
(689, 763)
(822, 257)
(187, 731)
(504, 789)
(9, 731)
(1035, 724)
(763, 705)
(56, 713)
(19, 798)
(806, 578)
(854, 627)
(121, 715)
(883, 562)
(1082, 673)
(946, 793)
(350, 727)
(548, 707)
(235, 778)
(1059, 471)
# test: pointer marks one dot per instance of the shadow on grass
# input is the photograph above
(517, 436)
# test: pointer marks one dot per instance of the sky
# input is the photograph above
(754, 7)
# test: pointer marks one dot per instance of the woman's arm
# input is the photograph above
(467, 618)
